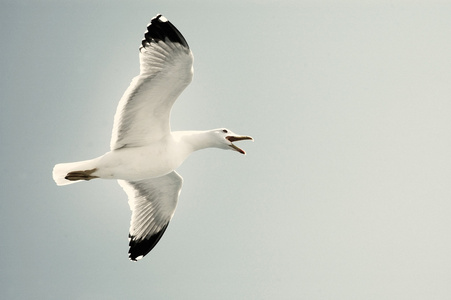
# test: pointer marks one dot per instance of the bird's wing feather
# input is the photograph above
(152, 202)
(166, 68)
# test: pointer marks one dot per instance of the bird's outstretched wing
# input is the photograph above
(166, 68)
(152, 202)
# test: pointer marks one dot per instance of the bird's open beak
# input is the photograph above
(235, 138)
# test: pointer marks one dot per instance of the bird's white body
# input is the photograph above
(137, 163)
(131, 164)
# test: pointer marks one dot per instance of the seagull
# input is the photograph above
(144, 152)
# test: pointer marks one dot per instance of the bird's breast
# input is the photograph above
(139, 163)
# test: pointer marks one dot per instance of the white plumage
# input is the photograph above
(144, 152)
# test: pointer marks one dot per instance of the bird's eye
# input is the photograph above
(224, 130)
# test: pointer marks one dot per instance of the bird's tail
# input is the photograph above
(68, 173)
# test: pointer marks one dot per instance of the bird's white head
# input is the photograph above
(223, 138)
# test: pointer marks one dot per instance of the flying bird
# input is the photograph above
(144, 152)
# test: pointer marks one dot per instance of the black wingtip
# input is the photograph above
(140, 248)
(160, 29)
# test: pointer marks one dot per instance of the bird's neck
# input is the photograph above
(193, 140)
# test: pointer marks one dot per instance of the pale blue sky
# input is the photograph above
(345, 193)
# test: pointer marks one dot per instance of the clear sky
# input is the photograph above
(345, 193)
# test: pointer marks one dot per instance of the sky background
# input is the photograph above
(345, 193)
